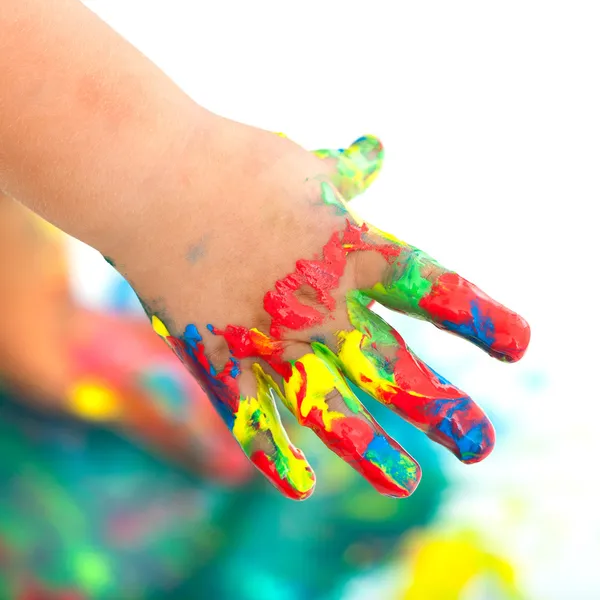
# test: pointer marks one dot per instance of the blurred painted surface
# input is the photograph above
(84, 509)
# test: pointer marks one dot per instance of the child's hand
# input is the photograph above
(256, 274)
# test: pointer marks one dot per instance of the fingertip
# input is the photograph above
(512, 343)
(361, 163)
(294, 479)
(370, 146)
(291, 492)
(390, 469)
(413, 483)
(301, 477)
(475, 444)
(458, 306)
(416, 480)
(303, 494)
(395, 487)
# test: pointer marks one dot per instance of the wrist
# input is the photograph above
(159, 173)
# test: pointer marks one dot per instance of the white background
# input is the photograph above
(490, 113)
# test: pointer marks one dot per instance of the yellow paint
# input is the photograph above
(357, 364)
(94, 402)
(264, 345)
(294, 468)
(361, 163)
(159, 327)
(387, 236)
(379, 290)
(321, 380)
(355, 172)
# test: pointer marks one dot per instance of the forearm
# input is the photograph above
(88, 125)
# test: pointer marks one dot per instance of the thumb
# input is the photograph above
(353, 169)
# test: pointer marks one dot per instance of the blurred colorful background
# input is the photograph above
(113, 462)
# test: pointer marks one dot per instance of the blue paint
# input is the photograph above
(380, 452)
(448, 406)
(191, 338)
(192, 335)
(472, 444)
(483, 326)
(480, 329)
(388, 366)
(235, 370)
(222, 408)
(467, 445)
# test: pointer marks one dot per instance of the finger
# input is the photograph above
(353, 169)
(252, 418)
(415, 284)
(377, 360)
(258, 429)
(318, 395)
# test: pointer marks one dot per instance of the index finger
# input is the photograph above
(414, 283)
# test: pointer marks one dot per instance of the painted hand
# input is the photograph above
(264, 295)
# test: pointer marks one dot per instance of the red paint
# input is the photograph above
(267, 466)
(352, 436)
(382, 483)
(451, 299)
(411, 373)
(440, 409)
(246, 343)
(323, 276)
(301, 394)
(222, 382)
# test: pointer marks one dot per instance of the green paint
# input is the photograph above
(398, 468)
(282, 465)
(364, 158)
(255, 419)
(356, 166)
(330, 198)
(406, 285)
(377, 330)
